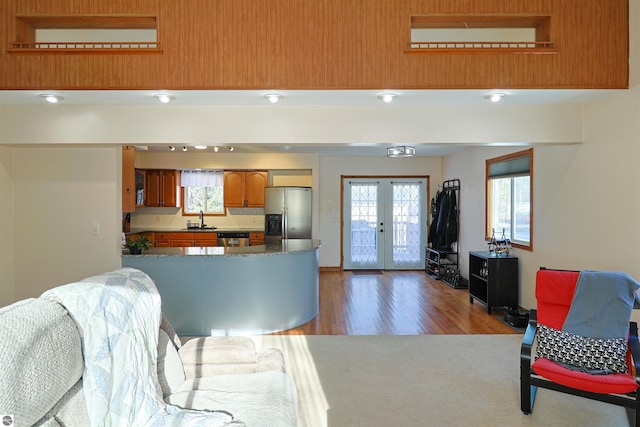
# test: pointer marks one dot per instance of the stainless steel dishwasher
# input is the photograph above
(233, 238)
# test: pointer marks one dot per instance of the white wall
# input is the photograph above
(586, 199)
(7, 229)
(59, 193)
(332, 168)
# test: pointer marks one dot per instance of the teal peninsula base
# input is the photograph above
(235, 290)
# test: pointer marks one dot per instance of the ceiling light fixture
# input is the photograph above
(401, 151)
(184, 148)
(51, 99)
(230, 148)
(387, 98)
(273, 98)
(495, 97)
(200, 147)
(172, 148)
(164, 98)
(215, 148)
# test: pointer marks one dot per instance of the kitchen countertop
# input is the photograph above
(285, 247)
(191, 230)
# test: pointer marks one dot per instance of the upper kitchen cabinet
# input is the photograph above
(244, 188)
(128, 179)
(162, 187)
(141, 178)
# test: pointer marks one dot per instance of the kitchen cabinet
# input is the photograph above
(205, 239)
(163, 188)
(128, 179)
(256, 238)
(244, 188)
(162, 240)
(181, 240)
(140, 179)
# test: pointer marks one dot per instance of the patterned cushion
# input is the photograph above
(593, 355)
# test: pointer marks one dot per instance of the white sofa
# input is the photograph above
(42, 368)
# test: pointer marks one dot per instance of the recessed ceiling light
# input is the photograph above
(164, 98)
(215, 149)
(495, 97)
(387, 97)
(50, 98)
(273, 98)
(200, 147)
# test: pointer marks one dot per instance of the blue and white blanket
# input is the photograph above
(118, 316)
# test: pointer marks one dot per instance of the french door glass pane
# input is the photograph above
(364, 219)
(406, 223)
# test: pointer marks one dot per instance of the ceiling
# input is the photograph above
(406, 98)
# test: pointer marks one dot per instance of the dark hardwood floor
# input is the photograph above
(397, 303)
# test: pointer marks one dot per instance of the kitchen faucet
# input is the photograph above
(201, 219)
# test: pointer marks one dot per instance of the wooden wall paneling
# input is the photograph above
(324, 44)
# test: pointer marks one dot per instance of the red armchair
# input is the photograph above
(554, 295)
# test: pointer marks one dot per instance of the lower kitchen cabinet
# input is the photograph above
(256, 238)
(493, 279)
(181, 240)
(205, 239)
(162, 240)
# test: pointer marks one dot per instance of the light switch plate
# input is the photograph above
(95, 228)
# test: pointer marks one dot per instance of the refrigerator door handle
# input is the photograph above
(285, 225)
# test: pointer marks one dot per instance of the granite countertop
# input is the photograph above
(191, 230)
(286, 246)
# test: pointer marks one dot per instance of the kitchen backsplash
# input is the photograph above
(171, 218)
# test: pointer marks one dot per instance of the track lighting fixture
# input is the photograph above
(172, 148)
(184, 148)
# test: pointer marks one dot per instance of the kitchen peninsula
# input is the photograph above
(235, 290)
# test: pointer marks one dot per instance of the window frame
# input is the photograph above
(489, 196)
(196, 214)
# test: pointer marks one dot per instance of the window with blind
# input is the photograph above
(510, 198)
(202, 190)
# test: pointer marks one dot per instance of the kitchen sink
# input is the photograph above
(201, 228)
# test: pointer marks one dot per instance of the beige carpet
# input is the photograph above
(429, 380)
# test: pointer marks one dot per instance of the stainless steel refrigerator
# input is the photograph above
(287, 213)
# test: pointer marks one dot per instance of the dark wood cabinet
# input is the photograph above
(493, 279)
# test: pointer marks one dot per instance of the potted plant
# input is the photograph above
(137, 245)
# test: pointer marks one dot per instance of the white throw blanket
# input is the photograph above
(118, 316)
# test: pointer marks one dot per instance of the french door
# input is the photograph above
(384, 223)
